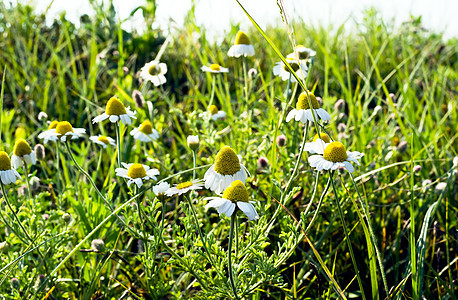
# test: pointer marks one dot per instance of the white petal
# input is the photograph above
(248, 209)
(291, 115)
(349, 166)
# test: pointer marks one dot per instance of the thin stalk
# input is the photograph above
(229, 263)
(212, 93)
(319, 204)
(26, 173)
(118, 143)
(347, 237)
(374, 239)
(194, 161)
(14, 213)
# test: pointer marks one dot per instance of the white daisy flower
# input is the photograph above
(242, 46)
(136, 173)
(161, 188)
(300, 69)
(226, 169)
(193, 141)
(103, 141)
(215, 68)
(63, 131)
(213, 113)
(7, 175)
(184, 187)
(116, 111)
(154, 71)
(303, 113)
(236, 193)
(303, 53)
(330, 156)
(22, 152)
(145, 132)
(49, 135)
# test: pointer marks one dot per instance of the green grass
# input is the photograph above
(153, 249)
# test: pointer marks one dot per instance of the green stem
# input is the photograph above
(14, 213)
(118, 143)
(229, 264)
(319, 204)
(374, 239)
(26, 173)
(212, 93)
(347, 237)
(194, 161)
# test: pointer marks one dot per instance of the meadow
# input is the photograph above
(153, 166)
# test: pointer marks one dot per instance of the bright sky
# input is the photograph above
(217, 15)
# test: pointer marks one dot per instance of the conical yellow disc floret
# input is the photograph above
(323, 136)
(227, 162)
(115, 107)
(103, 139)
(53, 125)
(335, 152)
(303, 103)
(5, 162)
(21, 148)
(242, 39)
(294, 65)
(146, 127)
(64, 127)
(136, 171)
(215, 67)
(154, 70)
(184, 185)
(213, 109)
(236, 192)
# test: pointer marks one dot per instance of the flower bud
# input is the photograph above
(263, 162)
(138, 98)
(15, 283)
(340, 105)
(67, 217)
(98, 245)
(440, 187)
(341, 127)
(39, 150)
(34, 183)
(402, 146)
(193, 142)
(281, 140)
(42, 116)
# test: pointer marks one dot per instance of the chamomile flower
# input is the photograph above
(103, 141)
(22, 152)
(193, 142)
(7, 175)
(63, 131)
(303, 53)
(242, 46)
(160, 189)
(299, 68)
(49, 135)
(303, 113)
(136, 173)
(145, 132)
(226, 169)
(214, 68)
(116, 111)
(214, 113)
(154, 71)
(330, 156)
(184, 187)
(235, 194)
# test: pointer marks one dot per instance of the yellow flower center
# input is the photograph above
(294, 65)
(213, 109)
(21, 148)
(53, 125)
(227, 162)
(115, 107)
(184, 185)
(20, 133)
(136, 171)
(64, 127)
(303, 103)
(5, 162)
(335, 152)
(242, 39)
(103, 139)
(236, 192)
(154, 70)
(215, 67)
(323, 136)
(146, 127)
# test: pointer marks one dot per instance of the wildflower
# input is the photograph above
(252, 72)
(98, 245)
(193, 142)
(136, 173)
(303, 113)
(242, 46)
(281, 140)
(214, 68)
(299, 68)
(402, 146)
(22, 152)
(116, 111)
(440, 187)
(340, 105)
(234, 194)
(160, 189)
(263, 162)
(138, 98)
(213, 113)
(34, 183)
(49, 135)
(42, 116)
(64, 129)
(303, 53)
(145, 132)
(7, 175)
(154, 71)
(184, 187)
(39, 150)
(417, 169)
(103, 141)
(426, 184)
(341, 127)
(226, 169)
(67, 218)
(330, 156)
